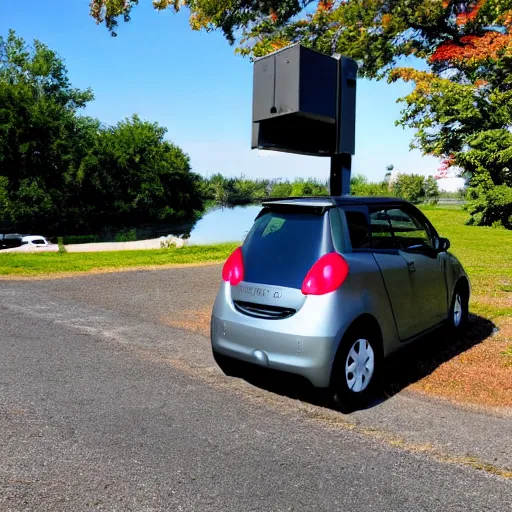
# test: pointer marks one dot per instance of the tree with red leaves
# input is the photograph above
(461, 96)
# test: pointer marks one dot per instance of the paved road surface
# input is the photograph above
(105, 407)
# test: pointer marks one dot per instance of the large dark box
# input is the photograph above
(298, 101)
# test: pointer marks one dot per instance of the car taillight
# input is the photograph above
(233, 270)
(326, 275)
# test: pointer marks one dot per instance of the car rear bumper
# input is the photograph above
(288, 345)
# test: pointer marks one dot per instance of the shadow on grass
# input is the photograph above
(409, 365)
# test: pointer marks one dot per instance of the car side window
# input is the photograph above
(381, 231)
(358, 229)
(408, 230)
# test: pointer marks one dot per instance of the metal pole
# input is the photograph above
(341, 167)
(341, 163)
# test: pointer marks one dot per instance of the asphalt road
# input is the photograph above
(103, 406)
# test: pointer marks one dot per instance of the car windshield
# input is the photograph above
(38, 241)
(281, 247)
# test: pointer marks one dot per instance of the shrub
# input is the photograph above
(360, 186)
(409, 187)
(281, 189)
(80, 239)
(126, 235)
(431, 190)
(488, 204)
(311, 187)
(62, 248)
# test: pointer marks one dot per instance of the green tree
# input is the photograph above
(431, 190)
(409, 187)
(463, 48)
(220, 188)
(489, 161)
(374, 32)
(305, 188)
(360, 186)
(247, 190)
(60, 171)
(281, 189)
(134, 175)
(40, 132)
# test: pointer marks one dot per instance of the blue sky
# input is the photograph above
(193, 84)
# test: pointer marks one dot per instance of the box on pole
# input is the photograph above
(304, 102)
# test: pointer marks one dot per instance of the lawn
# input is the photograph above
(44, 264)
(486, 254)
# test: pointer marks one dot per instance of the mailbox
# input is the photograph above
(304, 102)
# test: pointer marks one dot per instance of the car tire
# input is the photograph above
(227, 364)
(459, 310)
(355, 377)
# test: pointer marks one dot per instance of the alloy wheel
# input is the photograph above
(359, 366)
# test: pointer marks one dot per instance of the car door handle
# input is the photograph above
(410, 266)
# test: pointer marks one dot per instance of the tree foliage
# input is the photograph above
(462, 89)
(240, 190)
(40, 133)
(375, 32)
(133, 175)
(231, 191)
(409, 187)
(63, 171)
(360, 186)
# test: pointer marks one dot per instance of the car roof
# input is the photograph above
(29, 238)
(326, 201)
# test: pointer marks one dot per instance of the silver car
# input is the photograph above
(326, 288)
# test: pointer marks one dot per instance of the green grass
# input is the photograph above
(55, 263)
(483, 251)
(486, 254)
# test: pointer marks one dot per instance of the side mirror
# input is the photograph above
(443, 244)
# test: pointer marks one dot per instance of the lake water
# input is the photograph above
(224, 224)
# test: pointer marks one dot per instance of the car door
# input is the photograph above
(394, 271)
(412, 272)
(415, 239)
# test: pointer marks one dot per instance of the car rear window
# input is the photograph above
(281, 247)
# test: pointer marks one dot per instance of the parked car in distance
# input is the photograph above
(36, 240)
(13, 240)
(10, 240)
(326, 288)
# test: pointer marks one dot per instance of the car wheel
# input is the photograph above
(356, 370)
(227, 364)
(459, 310)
